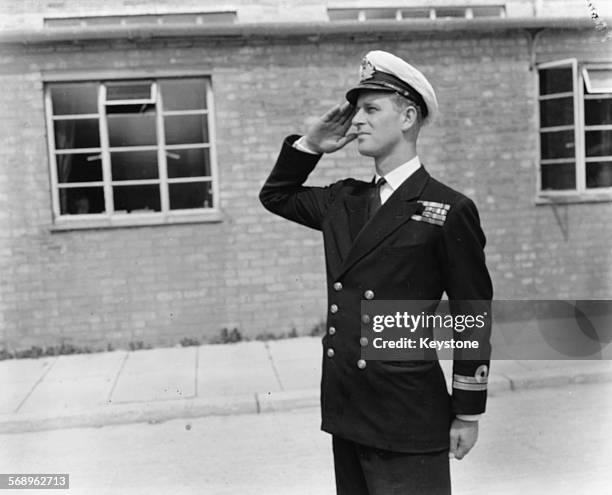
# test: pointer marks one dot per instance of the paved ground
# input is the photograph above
(546, 441)
(183, 382)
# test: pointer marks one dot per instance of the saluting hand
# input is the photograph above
(463, 436)
(329, 133)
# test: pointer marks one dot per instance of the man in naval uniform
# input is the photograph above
(402, 236)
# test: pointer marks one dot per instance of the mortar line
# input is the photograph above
(274, 369)
(42, 377)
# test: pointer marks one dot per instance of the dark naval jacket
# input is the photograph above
(423, 241)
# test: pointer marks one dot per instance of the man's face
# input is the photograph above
(378, 124)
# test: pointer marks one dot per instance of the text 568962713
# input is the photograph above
(28, 481)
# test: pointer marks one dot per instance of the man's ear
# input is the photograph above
(410, 117)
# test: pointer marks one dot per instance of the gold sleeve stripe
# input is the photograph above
(470, 387)
(469, 379)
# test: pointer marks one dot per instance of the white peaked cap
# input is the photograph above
(383, 71)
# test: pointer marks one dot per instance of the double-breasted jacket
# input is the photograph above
(403, 252)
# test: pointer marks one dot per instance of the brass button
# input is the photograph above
(330, 352)
(368, 294)
(366, 319)
(332, 330)
(361, 364)
(363, 341)
(333, 308)
(338, 286)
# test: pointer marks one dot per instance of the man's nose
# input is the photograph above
(358, 117)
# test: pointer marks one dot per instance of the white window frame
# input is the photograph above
(581, 193)
(468, 11)
(110, 218)
(587, 79)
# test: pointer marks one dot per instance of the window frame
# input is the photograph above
(403, 12)
(141, 20)
(109, 218)
(580, 193)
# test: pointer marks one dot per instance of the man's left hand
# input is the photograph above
(463, 436)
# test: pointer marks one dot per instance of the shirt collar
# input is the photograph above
(398, 175)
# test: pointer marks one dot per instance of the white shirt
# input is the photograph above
(396, 178)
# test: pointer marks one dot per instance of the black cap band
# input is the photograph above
(383, 81)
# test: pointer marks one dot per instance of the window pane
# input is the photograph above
(598, 143)
(72, 99)
(128, 91)
(218, 17)
(190, 195)
(486, 11)
(598, 112)
(79, 168)
(555, 81)
(383, 13)
(559, 111)
(137, 199)
(415, 13)
(179, 18)
(111, 20)
(58, 23)
(81, 200)
(185, 129)
(131, 129)
(188, 163)
(599, 174)
(558, 176)
(82, 133)
(183, 94)
(134, 165)
(449, 12)
(138, 108)
(343, 14)
(557, 144)
(598, 80)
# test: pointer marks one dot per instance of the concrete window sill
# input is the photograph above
(135, 220)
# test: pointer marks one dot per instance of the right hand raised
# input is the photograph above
(329, 132)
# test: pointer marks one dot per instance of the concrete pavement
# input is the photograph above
(181, 382)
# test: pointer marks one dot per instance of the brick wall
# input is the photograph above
(253, 270)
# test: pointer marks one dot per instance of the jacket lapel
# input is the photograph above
(344, 226)
(357, 210)
(390, 216)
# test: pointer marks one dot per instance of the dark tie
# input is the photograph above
(375, 202)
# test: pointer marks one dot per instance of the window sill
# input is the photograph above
(574, 197)
(68, 223)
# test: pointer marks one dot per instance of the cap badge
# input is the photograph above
(366, 71)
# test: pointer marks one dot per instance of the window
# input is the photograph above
(131, 148)
(450, 12)
(575, 111)
(220, 17)
(397, 13)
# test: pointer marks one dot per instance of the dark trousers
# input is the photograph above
(362, 470)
